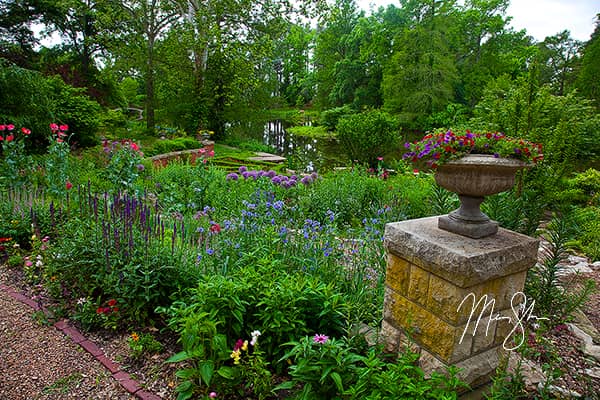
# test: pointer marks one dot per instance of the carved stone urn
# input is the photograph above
(473, 177)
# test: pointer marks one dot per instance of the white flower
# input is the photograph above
(255, 335)
(39, 263)
(81, 301)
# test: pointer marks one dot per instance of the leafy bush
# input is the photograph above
(331, 117)
(344, 195)
(18, 87)
(553, 299)
(171, 145)
(324, 368)
(77, 110)
(282, 307)
(588, 237)
(368, 135)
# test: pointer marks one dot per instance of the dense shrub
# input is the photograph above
(170, 145)
(55, 101)
(368, 135)
(331, 117)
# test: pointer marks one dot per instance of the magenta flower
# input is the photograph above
(320, 338)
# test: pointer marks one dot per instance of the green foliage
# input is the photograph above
(506, 385)
(123, 163)
(331, 117)
(588, 236)
(310, 131)
(15, 220)
(564, 125)
(323, 366)
(205, 350)
(350, 191)
(554, 300)
(15, 162)
(582, 189)
(143, 343)
(57, 163)
(283, 306)
(171, 145)
(18, 87)
(368, 135)
(78, 111)
(521, 212)
(326, 368)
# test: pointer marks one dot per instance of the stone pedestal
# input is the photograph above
(430, 272)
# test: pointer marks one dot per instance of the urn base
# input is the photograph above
(473, 229)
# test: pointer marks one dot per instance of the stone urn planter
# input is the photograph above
(473, 177)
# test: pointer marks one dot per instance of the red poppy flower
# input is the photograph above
(25, 131)
(10, 127)
(10, 138)
(53, 127)
(215, 228)
(64, 127)
(112, 302)
(69, 185)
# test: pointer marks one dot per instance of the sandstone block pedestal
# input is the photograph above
(430, 272)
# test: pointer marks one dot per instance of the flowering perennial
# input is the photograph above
(435, 149)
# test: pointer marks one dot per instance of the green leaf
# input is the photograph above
(284, 385)
(206, 369)
(337, 379)
(185, 390)
(186, 373)
(181, 356)
(226, 372)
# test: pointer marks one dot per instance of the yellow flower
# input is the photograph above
(236, 356)
(135, 337)
(53, 279)
(245, 345)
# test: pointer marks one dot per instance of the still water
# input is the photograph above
(304, 154)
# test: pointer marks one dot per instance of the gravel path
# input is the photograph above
(40, 362)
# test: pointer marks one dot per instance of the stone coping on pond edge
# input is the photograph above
(122, 377)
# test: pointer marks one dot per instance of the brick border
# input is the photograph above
(123, 378)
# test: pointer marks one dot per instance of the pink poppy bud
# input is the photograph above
(64, 127)
(53, 127)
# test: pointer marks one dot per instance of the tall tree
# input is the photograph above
(17, 40)
(230, 44)
(558, 56)
(420, 77)
(148, 21)
(587, 80)
(334, 54)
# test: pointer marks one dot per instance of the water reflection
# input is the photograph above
(303, 153)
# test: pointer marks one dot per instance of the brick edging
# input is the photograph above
(122, 377)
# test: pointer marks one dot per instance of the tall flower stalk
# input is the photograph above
(15, 162)
(57, 161)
